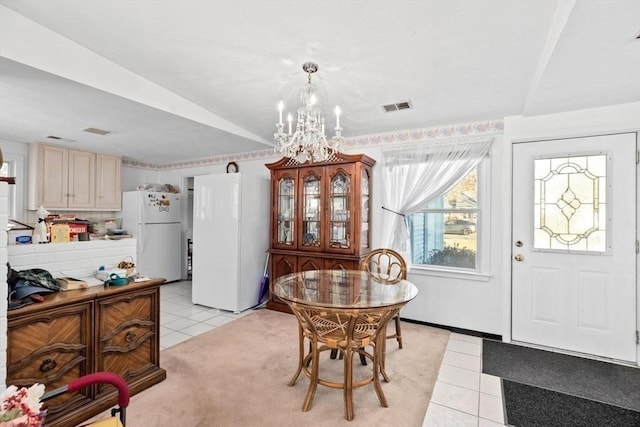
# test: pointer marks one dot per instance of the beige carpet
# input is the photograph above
(237, 375)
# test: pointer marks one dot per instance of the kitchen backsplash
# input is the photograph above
(75, 259)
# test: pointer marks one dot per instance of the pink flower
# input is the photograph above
(22, 407)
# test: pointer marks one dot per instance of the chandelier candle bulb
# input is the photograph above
(337, 116)
(280, 108)
(289, 119)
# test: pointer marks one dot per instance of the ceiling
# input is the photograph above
(182, 80)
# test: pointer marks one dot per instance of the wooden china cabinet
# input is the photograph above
(320, 216)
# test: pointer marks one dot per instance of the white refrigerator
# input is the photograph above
(230, 240)
(153, 218)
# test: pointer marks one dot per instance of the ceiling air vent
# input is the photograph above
(404, 105)
(97, 131)
(59, 138)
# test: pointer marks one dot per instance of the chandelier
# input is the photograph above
(307, 140)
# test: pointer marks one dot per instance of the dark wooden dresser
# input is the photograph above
(75, 333)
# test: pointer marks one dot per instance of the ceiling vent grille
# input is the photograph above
(404, 105)
(97, 131)
(59, 138)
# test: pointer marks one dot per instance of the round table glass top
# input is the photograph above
(342, 289)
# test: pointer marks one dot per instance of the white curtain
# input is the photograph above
(415, 175)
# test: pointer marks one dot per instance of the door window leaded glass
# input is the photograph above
(570, 203)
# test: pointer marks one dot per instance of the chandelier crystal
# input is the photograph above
(307, 140)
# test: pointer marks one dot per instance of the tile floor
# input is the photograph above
(462, 396)
(181, 320)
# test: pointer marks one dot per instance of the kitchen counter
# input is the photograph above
(79, 295)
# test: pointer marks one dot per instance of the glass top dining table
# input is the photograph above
(335, 309)
(342, 289)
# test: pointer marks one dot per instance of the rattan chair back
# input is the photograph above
(386, 265)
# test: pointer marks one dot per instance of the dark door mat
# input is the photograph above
(529, 406)
(591, 379)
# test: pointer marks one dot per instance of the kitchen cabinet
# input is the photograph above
(320, 215)
(62, 178)
(75, 333)
(108, 186)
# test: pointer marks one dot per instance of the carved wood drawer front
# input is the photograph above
(52, 348)
(127, 330)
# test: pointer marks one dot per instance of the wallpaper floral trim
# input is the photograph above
(492, 127)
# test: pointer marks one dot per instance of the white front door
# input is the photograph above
(574, 245)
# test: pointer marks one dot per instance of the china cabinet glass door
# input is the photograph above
(311, 211)
(285, 225)
(365, 204)
(340, 211)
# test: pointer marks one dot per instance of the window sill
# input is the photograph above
(450, 274)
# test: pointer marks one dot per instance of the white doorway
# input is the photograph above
(574, 245)
(187, 225)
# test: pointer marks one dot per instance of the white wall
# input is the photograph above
(463, 301)
(130, 177)
(467, 301)
(480, 303)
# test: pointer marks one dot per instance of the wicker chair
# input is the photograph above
(349, 332)
(387, 266)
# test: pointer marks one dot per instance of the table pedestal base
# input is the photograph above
(341, 332)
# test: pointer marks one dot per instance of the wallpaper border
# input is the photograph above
(484, 128)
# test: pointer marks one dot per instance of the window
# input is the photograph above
(445, 233)
(435, 191)
(10, 169)
(4, 171)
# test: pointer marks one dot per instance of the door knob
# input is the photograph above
(518, 257)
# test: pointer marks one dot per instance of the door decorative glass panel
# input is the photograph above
(570, 211)
(286, 211)
(311, 211)
(340, 213)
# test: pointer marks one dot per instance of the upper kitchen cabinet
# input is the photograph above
(108, 189)
(61, 178)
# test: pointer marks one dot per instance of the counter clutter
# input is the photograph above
(63, 228)
(29, 286)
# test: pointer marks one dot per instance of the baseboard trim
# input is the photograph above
(457, 330)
